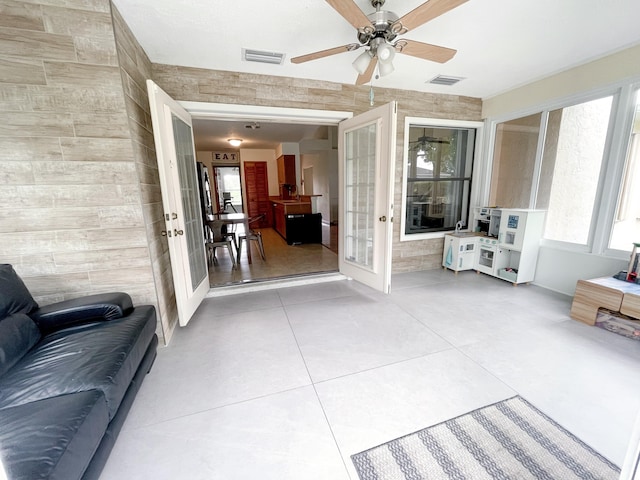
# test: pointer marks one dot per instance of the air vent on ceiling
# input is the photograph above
(445, 80)
(262, 57)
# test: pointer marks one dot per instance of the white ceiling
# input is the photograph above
(501, 44)
(212, 135)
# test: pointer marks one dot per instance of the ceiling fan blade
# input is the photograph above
(366, 76)
(351, 12)
(325, 53)
(428, 11)
(425, 51)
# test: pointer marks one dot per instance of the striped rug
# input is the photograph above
(507, 440)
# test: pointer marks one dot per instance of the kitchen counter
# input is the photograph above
(289, 207)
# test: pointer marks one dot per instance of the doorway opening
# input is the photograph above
(315, 183)
(228, 191)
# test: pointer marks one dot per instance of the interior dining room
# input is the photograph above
(268, 194)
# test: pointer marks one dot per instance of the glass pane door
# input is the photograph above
(189, 195)
(360, 194)
(366, 149)
(184, 234)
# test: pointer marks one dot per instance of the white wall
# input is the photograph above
(590, 76)
(321, 174)
(560, 269)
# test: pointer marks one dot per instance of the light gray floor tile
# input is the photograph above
(370, 408)
(241, 356)
(350, 334)
(244, 302)
(318, 291)
(231, 398)
(280, 437)
(583, 377)
(423, 277)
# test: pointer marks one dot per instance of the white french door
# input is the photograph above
(366, 152)
(173, 132)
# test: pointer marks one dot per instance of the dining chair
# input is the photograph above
(219, 238)
(227, 201)
(254, 235)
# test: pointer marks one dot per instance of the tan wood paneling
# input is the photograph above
(77, 22)
(30, 124)
(17, 173)
(22, 71)
(96, 149)
(29, 148)
(48, 219)
(32, 44)
(79, 75)
(99, 51)
(84, 173)
(21, 15)
(103, 125)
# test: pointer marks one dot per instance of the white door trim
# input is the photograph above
(233, 112)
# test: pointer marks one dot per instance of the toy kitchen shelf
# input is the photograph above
(512, 255)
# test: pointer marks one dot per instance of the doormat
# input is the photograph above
(507, 440)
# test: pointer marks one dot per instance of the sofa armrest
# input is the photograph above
(104, 306)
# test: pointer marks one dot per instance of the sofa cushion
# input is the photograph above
(90, 308)
(15, 296)
(102, 356)
(54, 438)
(18, 333)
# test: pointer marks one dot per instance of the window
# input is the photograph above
(514, 158)
(626, 227)
(581, 163)
(438, 174)
(570, 173)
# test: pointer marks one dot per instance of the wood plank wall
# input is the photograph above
(72, 218)
(135, 68)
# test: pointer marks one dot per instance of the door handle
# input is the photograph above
(383, 218)
(177, 232)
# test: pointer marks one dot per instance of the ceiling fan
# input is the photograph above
(425, 142)
(378, 33)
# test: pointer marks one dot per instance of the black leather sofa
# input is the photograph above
(69, 373)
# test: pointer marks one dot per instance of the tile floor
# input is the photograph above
(281, 259)
(288, 383)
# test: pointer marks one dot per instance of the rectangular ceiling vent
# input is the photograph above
(445, 80)
(262, 57)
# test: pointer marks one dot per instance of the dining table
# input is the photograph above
(233, 219)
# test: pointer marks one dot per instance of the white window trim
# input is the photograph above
(476, 177)
(614, 157)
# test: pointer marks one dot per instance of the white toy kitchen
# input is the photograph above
(504, 244)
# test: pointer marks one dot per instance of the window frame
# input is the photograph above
(612, 168)
(477, 168)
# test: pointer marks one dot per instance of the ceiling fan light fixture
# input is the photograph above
(385, 68)
(235, 142)
(362, 62)
(385, 53)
